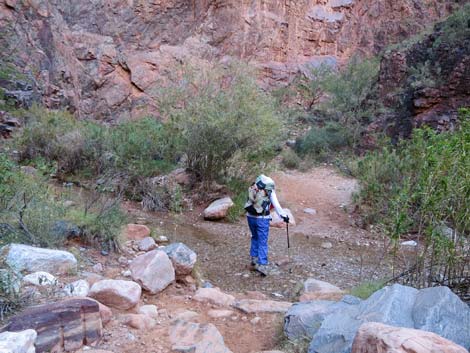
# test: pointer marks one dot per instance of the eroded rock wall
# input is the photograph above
(102, 59)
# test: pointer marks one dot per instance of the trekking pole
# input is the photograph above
(288, 241)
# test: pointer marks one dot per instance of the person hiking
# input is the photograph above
(261, 198)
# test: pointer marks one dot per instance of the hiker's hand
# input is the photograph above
(285, 219)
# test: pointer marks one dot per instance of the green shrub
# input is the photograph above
(419, 187)
(30, 210)
(455, 28)
(216, 113)
(322, 140)
(11, 298)
(290, 159)
(349, 90)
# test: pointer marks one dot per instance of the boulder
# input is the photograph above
(375, 337)
(218, 209)
(61, 326)
(149, 310)
(196, 338)
(40, 278)
(136, 232)
(214, 296)
(117, 294)
(439, 310)
(262, 306)
(153, 271)
(391, 304)
(277, 221)
(18, 342)
(147, 244)
(30, 259)
(303, 320)
(78, 288)
(315, 289)
(182, 257)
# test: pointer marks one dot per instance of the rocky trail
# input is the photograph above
(325, 243)
(151, 299)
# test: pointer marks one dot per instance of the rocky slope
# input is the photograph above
(426, 82)
(103, 59)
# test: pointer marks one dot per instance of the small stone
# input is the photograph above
(218, 314)
(326, 245)
(139, 321)
(126, 273)
(310, 211)
(149, 310)
(78, 288)
(409, 243)
(186, 315)
(98, 267)
(215, 296)
(41, 279)
(162, 239)
(255, 320)
(147, 244)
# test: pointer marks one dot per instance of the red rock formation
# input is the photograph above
(103, 60)
(375, 337)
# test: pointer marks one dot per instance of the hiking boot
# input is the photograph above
(262, 269)
(253, 262)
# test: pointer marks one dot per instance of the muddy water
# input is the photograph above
(223, 258)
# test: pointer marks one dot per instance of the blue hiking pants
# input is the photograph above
(259, 228)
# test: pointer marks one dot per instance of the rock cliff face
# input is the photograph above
(103, 58)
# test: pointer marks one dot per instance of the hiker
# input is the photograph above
(261, 198)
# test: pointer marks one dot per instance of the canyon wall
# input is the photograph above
(103, 59)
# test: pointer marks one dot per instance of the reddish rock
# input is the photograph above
(65, 325)
(194, 337)
(136, 232)
(214, 296)
(118, 294)
(250, 306)
(315, 289)
(153, 270)
(218, 209)
(379, 338)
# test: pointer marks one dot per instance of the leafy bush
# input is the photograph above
(11, 299)
(30, 210)
(455, 28)
(321, 140)
(290, 159)
(216, 113)
(420, 187)
(349, 90)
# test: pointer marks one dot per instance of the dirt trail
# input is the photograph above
(222, 250)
